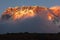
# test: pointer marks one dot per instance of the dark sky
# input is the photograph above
(35, 24)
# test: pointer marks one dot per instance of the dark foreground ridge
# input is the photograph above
(30, 36)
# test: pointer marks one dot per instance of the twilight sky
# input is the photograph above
(12, 3)
(35, 24)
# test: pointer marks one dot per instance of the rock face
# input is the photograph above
(23, 11)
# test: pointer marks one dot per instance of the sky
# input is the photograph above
(30, 24)
(12, 3)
